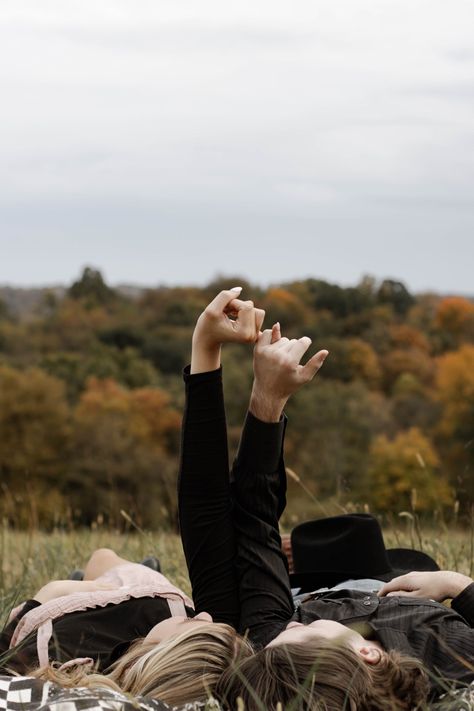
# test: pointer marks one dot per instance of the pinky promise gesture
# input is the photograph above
(226, 319)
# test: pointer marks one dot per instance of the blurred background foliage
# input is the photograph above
(91, 398)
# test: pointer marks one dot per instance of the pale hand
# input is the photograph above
(436, 585)
(278, 372)
(59, 588)
(215, 327)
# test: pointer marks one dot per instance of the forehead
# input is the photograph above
(327, 629)
(294, 634)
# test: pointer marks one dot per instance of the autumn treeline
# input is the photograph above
(91, 398)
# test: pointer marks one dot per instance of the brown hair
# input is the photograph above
(321, 676)
(181, 669)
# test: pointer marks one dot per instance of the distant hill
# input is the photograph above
(23, 302)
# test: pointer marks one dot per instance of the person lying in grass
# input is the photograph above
(129, 625)
(343, 649)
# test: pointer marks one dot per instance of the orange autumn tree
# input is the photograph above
(455, 389)
(408, 353)
(400, 466)
(125, 444)
(34, 427)
(454, 318)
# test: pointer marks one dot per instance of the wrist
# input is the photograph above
(205, 354)
(265, 406)
(458, 582)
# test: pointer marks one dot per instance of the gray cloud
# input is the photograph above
(323, 138)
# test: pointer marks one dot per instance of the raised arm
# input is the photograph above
(259, 484)
(204, 501)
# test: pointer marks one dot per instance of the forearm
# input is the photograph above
(259, 490)
(204, 500)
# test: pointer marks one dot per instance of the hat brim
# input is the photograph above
(402, 561)
(328, 578)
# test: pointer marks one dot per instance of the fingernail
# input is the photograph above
(236, 288)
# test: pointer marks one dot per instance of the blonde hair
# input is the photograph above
(181, 669)
(320, 676)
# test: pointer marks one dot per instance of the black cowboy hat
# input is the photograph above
(328, 551)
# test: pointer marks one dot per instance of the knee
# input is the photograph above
(102, 556)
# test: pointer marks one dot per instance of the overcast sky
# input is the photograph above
(167, 141)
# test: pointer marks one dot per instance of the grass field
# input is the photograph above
(30, 558)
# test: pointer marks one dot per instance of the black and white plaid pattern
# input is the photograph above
(20, 693)
(28, 694)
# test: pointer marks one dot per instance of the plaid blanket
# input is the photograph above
(24, 693)
(27, 694)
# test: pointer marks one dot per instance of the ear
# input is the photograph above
(370, 654)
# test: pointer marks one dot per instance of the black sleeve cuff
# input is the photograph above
(463, 604)
(261, 444)
(209, 375)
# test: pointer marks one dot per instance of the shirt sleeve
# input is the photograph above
(204, 499)
(463, 604)
(259, 491)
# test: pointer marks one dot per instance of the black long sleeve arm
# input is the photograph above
(259, 491)
(204, 499)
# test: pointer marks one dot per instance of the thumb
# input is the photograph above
(314, 364)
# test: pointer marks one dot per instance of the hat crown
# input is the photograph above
(352, 543)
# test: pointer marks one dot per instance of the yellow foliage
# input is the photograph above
(455, 315)
(455, 388)
(34, 424)
(401, 361)
(455, 377)
(145, 412)
(363, 361)
(399, 466)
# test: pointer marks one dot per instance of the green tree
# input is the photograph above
(331, 427)
(396, 294)
(91, 288)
